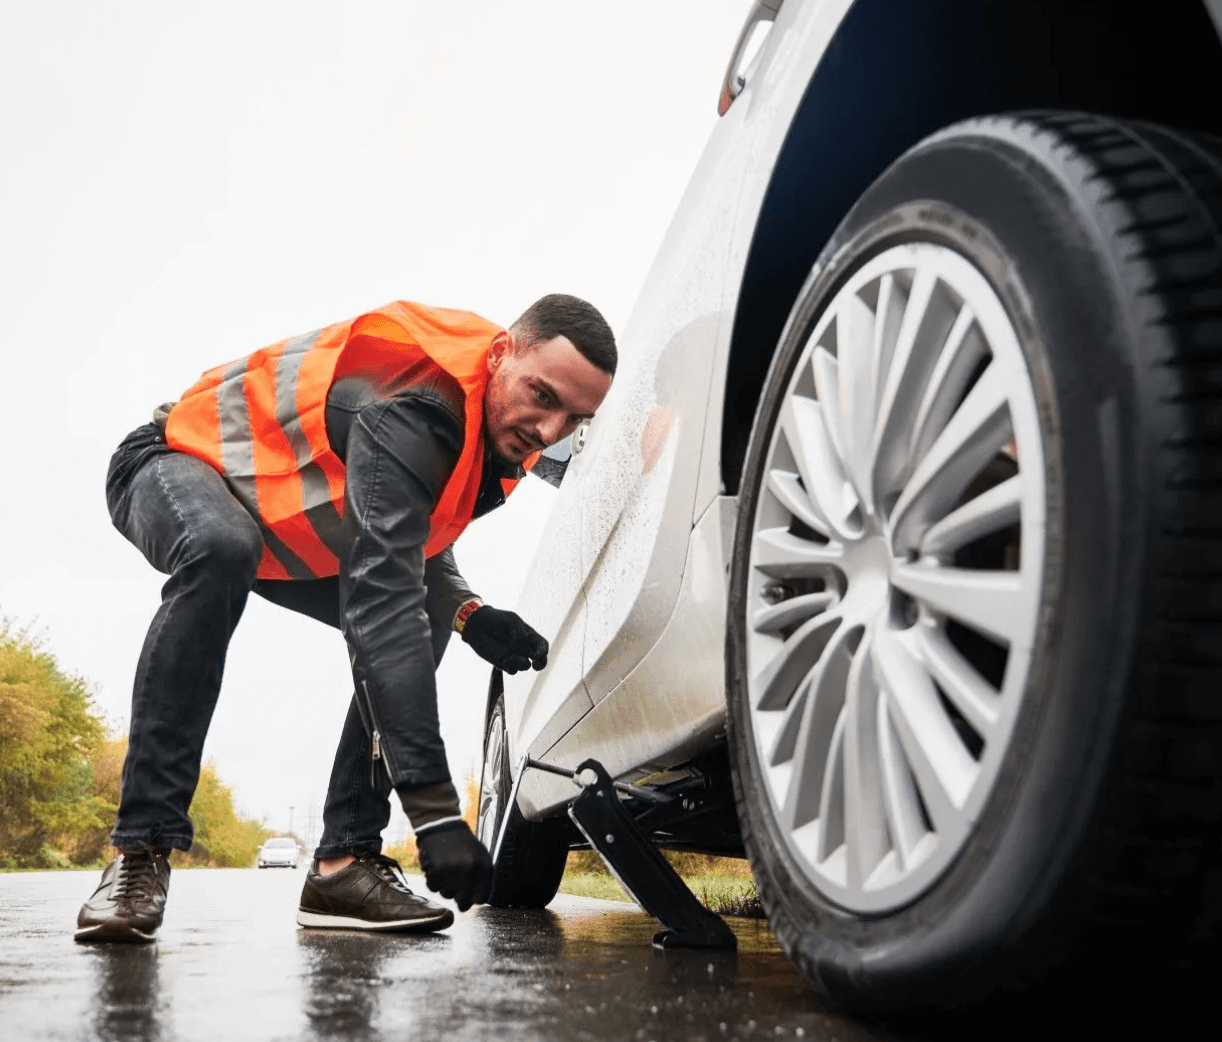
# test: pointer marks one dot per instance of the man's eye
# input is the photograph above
(544, 397)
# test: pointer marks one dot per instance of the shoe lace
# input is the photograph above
(388, 869)
(137, 874)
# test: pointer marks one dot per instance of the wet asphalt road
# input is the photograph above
(230, 963)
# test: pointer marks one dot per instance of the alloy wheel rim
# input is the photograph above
(490, 779)
(895, 574)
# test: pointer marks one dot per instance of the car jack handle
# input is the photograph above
(528, 762)
(641, 870)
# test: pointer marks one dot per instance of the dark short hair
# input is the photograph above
(558, 314)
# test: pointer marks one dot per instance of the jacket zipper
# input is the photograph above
(360, 711)
(375, 741)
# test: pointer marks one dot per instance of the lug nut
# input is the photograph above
(774, 593)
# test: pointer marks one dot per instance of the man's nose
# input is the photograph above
(550, 429)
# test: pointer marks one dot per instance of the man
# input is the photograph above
(331, 473)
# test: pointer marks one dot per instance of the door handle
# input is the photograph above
(764, 11)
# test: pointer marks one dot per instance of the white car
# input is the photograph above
(893, 558)
(281, 851)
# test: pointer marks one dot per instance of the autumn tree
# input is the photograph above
(91, 846)
(222, 838)
(60, 773)
(47, 736)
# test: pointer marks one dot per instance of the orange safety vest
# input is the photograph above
(261, 421)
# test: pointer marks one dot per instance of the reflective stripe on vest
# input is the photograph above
(261, 421)
(308, 519)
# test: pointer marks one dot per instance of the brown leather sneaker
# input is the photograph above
(129, 903)
(369, 894)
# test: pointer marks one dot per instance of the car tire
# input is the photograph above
(531, 864)
(974, 654)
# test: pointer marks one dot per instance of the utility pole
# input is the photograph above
(290, 819)
(311, 840)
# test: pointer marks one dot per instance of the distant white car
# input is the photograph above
(279, 851)
(892, 559)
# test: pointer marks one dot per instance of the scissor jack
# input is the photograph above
(632, 858)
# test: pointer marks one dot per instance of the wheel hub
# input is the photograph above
(867, 563)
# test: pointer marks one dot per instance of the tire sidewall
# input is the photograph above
(1017, 214)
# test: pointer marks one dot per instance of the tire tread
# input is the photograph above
(1173, 230)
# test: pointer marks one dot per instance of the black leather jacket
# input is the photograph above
(396, 609)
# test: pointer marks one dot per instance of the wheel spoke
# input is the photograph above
(865, 822)
(855, 361)
(792, 496)
(827, 390)
(904, 818)
(831, 797)
(959, 680)
(959, 357)
(892, 399)
(792, 611)
(820, 719)
(779, 553)
(786, 739)
(888, 316)
(942, 766)
(974, 435)
(991, 602)
(819, 467)
(927, 321)
(779, 679)
(989, 512)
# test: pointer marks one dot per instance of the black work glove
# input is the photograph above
(502, 638)
(455, 864)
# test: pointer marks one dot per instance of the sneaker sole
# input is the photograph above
(324, 921)
(113, 933)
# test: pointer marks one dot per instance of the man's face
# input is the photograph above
(538, 395)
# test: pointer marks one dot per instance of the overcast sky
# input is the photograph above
(184, 183)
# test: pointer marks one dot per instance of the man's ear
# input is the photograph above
(501, 343)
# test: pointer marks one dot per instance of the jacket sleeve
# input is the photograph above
(400, 454)
(447, 590)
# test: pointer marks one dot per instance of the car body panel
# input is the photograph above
(765, 110)
(540, 707)
(636, 528)
(673, 702)
(678, 343)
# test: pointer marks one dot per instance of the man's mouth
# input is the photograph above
(525, 444)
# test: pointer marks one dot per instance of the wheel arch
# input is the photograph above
(946, 60)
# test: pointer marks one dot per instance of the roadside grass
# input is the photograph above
(722, 885)
(593, 884)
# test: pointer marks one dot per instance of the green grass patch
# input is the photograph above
(722, 885)
(727, 895)
(592, 884)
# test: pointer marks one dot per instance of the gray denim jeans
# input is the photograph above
(179, 512)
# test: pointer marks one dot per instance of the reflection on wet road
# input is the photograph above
(231, 964)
